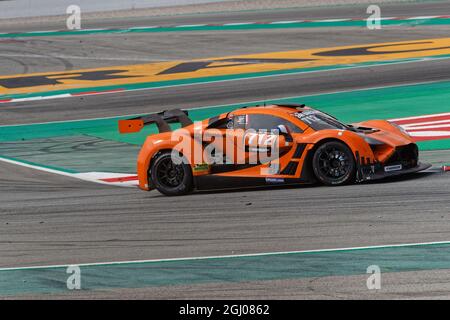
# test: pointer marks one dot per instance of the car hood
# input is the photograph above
(384, 132)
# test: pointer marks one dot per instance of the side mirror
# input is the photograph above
(283, 130)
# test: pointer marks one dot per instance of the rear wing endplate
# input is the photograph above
(161, 119)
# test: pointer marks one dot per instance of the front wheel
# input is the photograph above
(169, 177)
(334, 164)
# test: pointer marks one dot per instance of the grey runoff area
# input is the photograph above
(12, 9)
(35, 8)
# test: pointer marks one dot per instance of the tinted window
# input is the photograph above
(218, 123)
(266, 122)
(240, 121)
(320, 121)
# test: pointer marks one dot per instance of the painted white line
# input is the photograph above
(190, 25)
(26, 165)
(88, 30)
(58, 96)
(416, 127)
(422, 18)
(43, 31)
(33, 99)
(238, 23)
(98, 177)
(422, 117)
(264, 254)
(286, 22)
(88, 176)
(140, 28)
(434, 134)
(428, 123)
(332, 20)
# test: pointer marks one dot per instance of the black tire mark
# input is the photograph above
(24, 66)
(68, 66)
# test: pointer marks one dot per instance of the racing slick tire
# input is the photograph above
(170, 178)
(333, 164)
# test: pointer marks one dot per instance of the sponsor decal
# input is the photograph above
(397, 167)
(274, 180)
(201, 167)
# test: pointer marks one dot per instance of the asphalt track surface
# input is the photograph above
(49, 219)
(106, 20)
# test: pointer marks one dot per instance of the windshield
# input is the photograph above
(319, 120)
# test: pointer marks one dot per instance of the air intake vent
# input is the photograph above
(290, 168)
(299, 151)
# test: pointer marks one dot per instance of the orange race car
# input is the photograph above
(268, 145)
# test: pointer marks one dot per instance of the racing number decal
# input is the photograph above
(261, 140)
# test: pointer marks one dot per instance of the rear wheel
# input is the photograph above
(333, 164)
(169, 177)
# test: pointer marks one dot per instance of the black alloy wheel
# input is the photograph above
(334, 164)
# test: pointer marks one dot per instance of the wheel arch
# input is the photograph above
(330, 139)
(307, 170)
(153, 158)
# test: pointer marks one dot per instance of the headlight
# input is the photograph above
(399, 128)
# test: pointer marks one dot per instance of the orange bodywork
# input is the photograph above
(130, 126)
(295, 151)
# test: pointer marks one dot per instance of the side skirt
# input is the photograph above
(216, 182)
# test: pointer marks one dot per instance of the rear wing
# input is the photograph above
(162, 120)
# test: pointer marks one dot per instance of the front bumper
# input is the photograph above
(378, 171)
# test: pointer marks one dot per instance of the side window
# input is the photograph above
(215, 123)
(237, 122)
(267, 122)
